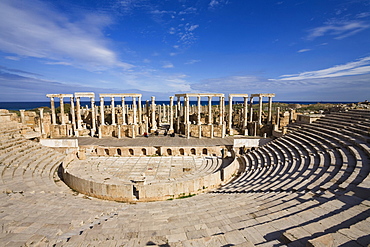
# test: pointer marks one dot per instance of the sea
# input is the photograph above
(32, 105)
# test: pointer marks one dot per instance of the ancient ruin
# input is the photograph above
(224, 174)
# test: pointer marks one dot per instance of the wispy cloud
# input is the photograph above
(362, 66)
(14, 58)
(168, 65)
(338, 29)
(35, 29)
(303, 50)
(216, 3)
(193, 61)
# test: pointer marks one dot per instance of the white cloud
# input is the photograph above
(14, 58)
(339, 29)
(168, 65)
(34, 29)
(303, 50)
(192, 28)
(193, 61)
(362, 66)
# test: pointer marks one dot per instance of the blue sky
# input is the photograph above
(301, 50)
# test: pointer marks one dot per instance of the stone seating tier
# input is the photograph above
(36, 209)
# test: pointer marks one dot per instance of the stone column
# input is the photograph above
(159, 115)
(222, 114)
(78, 108)
(154, 124)
(210, 122)
(171, 115)
(23, 120)
(102, 120)
(73, 114)
(134, 110)
(278, 117)
(139, 109)
(113, 111)
(260, 111)
(251, 109)
(147, 108)
(269, 118)
(178, 114)
(198, 111)
(123, 111)
(187, 108)
(164, 113)
(62, 110)
(245, 118)
(53, 117)
(187, 122)
(230, 124)
(93, 116)
(41, 110)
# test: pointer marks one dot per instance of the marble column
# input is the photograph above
(269, 118)
(140, 117)
(61, 102)
(73, 114)
(230, 124)
(278, 117)
(198, 111)
(123, 111)
(222, 114)
(171, 115)
(78, 108)
(187, 122)
(52, 105)
(164, 113)
(41, 110)
(102, 118)
(93, 116)
(113, 111)
(245, 116)
(178, 114)
(159, 115)
(260, 111)
(186, 98)
(210, 122)
(134, 110)
(251, 109)
(154, 124)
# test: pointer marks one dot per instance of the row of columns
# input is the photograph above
(181, 111)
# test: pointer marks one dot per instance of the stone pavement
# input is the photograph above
(151, 169)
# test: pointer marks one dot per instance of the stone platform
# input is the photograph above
(146, 169)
